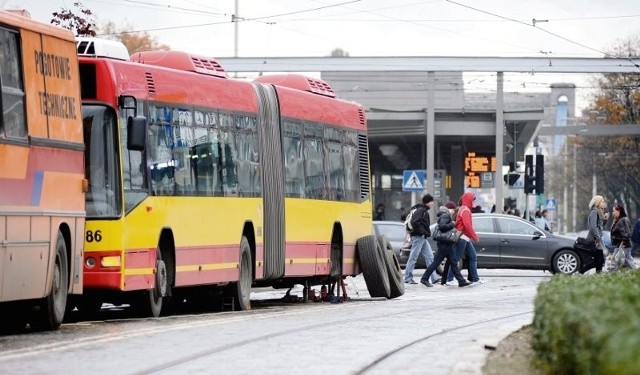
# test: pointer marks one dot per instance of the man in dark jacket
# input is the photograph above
(419, 232)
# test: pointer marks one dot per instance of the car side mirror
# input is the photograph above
(537, 235)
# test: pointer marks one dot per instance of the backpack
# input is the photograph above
(407, 221)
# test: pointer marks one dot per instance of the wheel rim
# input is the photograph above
(567, 263)
(245, 279)
(59, 301)
(161, 278)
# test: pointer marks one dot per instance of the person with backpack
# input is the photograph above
(464, 223)
(417, 224)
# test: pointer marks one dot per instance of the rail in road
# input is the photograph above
(436, 330)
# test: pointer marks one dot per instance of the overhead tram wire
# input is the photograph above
(148, 5)
(605, 54)
(239, 19)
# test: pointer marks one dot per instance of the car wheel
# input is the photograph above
(566, 262)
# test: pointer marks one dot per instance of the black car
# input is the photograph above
(508, 241)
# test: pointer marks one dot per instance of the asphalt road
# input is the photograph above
(439, 330)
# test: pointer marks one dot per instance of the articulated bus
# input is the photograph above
(41, 173)
(202, 186)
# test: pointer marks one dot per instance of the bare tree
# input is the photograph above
(81, 21)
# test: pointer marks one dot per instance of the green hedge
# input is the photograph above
(588, 324)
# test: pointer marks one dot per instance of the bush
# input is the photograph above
(588, 325)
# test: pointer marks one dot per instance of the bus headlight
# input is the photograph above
(90, 262)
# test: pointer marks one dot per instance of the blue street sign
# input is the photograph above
(413, 180)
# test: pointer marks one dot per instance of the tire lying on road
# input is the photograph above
(396, 282)
(373, 263)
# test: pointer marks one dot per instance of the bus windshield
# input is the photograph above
(104, 195)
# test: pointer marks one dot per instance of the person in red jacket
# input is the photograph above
(464, 223)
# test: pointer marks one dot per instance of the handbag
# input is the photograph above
(618, 257)
(451, 236)
(585, 245)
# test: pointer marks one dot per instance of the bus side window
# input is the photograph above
(13, 120)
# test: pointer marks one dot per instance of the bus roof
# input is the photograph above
(181, 61)
(158, 83)
(94, 47)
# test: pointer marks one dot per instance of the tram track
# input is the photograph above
(444, 332)
(275, 329)
(176, 363)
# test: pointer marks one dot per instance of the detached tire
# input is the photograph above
(396, 281)
(373, 261)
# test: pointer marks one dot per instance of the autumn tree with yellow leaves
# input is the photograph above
(614, 160)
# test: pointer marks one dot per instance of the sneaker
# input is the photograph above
(465, 283)
(450, 283)
(480, 281)
(426, 283)
(436, 281)
(412, 281)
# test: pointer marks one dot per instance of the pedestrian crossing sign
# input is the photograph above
(550, 204)
(413, 180)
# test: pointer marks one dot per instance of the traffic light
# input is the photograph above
(529, 184)
(539, 174)
(511, 178)
(529, 179)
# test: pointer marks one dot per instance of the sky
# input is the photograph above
(570, 28)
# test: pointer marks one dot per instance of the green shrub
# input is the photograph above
(588, 324)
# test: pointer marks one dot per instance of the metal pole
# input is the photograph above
(574, 200)
(497, 179)
(235, 31)
(430, 135)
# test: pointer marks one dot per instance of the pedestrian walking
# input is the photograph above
(419, 232)
(595, 224)
(464, 223)
(445, 250)
(621, 235)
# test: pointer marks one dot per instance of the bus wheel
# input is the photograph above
(241, 291)
(372, 260)
(154, 296)
(52, 308)
(396, 282)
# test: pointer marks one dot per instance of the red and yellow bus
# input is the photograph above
(202, 186)
(41, 173)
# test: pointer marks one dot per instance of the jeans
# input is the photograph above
(634, 248)
(419, 245)
(445, 250)
(472, 259)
